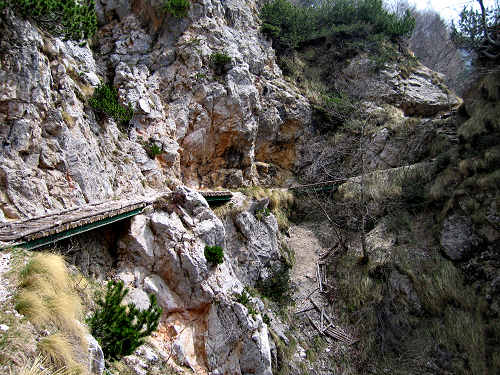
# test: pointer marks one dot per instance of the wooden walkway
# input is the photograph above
(42, 230)
(58, 225)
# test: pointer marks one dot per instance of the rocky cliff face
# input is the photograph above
(203, 328)
(238, 125)
(215, 128)
(210, 125)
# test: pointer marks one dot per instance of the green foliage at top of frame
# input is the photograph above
(468, 32)
(214, 254)
(105, 100)
(121, 329)
(290, 25)
(72, 19)
(177, 8)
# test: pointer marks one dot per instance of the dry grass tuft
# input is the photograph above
(47, 296)
(49, 299)
(33, 307)
(39, 366)
(65, 309)
(59, 351)
(280, 202)
(229, 209)
(49, 267)
(442, 185)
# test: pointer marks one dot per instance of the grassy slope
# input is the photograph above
(454, 326)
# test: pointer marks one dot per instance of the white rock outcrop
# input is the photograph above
(211, 126)
(202, 323)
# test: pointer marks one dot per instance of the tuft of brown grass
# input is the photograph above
(49, 299)
(47, 295)
(229, 209)
(33, 307)
(280, 202)
(39, 366)
(51, 267)
(59, 351)
(65, 309)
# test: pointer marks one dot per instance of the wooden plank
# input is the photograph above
(319, 278)
(319, 310)
(340, 335)
(322, 314)
(304, 310)
(216, 193)
(314, 324)
(59, 224)
(69, 233)
(328, 326)
(28, 230)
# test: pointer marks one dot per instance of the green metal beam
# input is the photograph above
(325, 189)
(29, 245)
(220, 198)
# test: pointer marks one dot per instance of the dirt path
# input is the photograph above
(307, 248)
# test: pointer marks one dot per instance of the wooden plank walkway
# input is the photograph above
(57, 225)
(62, 224)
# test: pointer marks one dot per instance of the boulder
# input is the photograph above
(458, 238)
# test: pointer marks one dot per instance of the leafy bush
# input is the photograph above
(261, 214)
(72, 19)
(290, 25)
(121, 329)
(105, 100)
(244, 299)
(266, 319)
(177, 8)
(219, 60)
(214, 254)
(153, 149)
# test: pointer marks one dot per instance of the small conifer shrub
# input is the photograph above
(214, 254)
(105, 100)
(121, 329)
(72, 19)
(153, 150)
(177, 8)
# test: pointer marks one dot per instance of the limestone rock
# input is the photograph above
(96, 356)
(138, 297)
(230, 327)
(458, 238)
(422, 93)
(165, 297)
(198, 301)
(256, 249)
